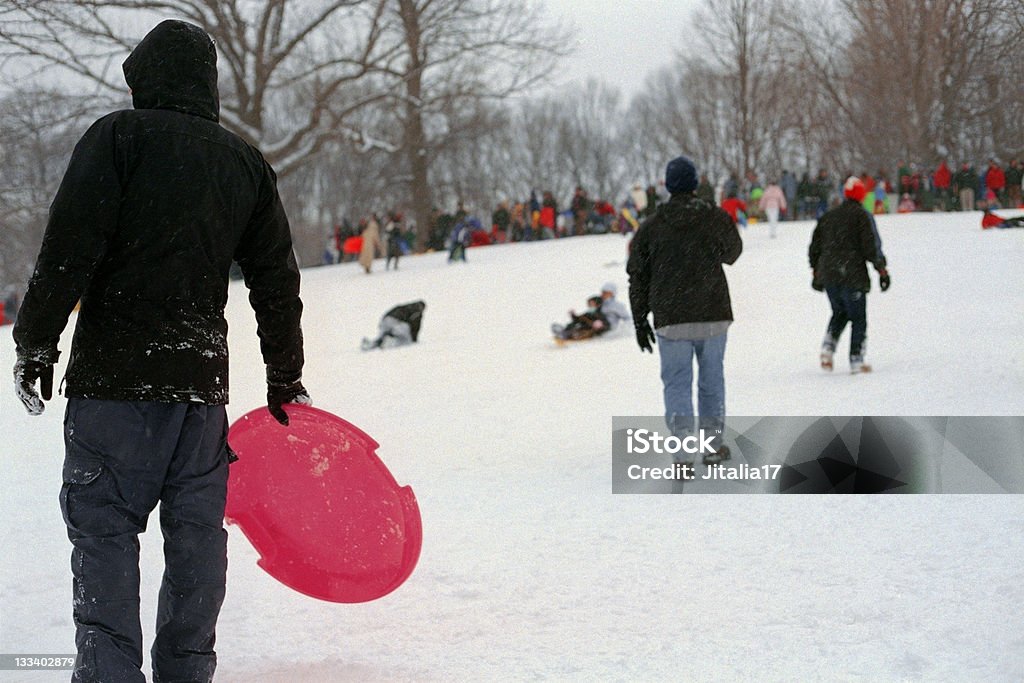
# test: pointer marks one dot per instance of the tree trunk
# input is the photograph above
(415, 137)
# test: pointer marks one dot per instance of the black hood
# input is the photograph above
(175, 67)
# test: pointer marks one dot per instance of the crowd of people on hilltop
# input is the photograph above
(912, 187)
(536, 218)
(946, 188)
(389, 235)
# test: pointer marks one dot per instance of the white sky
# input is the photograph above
(621, 41)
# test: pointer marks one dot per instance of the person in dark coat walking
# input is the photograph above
(789, 189)
(393, 240)
(844, 240)
(675, 272)
(966, 182)
(156, 203)
(1014, 175)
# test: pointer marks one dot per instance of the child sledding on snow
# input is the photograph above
(989, 219)
(399, 326)
(590, 323)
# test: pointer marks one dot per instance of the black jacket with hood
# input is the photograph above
(844, 240)
(411, 313)
(155, 204)
(675, 263)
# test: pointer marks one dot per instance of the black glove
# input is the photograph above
(883, 279)
(816, 284)
(279, 394)
(644, 335)
(30, 367)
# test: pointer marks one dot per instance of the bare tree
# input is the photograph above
(466, 167)
(538, 157)
(727, 105)
(37, 127)
(739, 43)
(269, 50)
(681, 112)
(453, 54)
(918, 79)
(591, 138)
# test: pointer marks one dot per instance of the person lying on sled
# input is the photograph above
(591, 323)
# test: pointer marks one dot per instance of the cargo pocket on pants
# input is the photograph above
(81, 474)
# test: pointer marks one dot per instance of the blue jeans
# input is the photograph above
(848, 306)
(677, 377)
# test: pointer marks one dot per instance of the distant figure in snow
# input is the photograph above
(1014, 178)
(772, 202)
(966, 181)
(591, 323)
(906, 204)
(371, 244)
(993, 220)
(548, 217)
(332, 247)
(400, 326)
(639, 198)
(462, 234)
(393, 240)
(736, 208)
(613, 309)
(789, 186)
(844, 239)
(881, 198)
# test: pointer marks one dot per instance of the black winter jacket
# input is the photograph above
(843, 241)
(155, 204)
(675, 263)
(1014, 175)
(411, 313)
(966, 179)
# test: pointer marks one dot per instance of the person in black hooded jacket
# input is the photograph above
(155, 205)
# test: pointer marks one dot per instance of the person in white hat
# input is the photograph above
(613, 309)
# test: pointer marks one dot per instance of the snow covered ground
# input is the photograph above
(531, 569)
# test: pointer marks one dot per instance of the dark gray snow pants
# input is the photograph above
(122, 458)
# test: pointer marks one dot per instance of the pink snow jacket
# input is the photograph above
(773, 197)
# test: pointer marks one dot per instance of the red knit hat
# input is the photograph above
(854, 189)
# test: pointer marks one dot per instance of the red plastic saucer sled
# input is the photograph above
(323, 512)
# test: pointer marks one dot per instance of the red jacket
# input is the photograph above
(995, 179)
(547, 217)
(943, 177)
(732, 206)
(990, 220)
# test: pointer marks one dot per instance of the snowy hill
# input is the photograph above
(531, 568)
